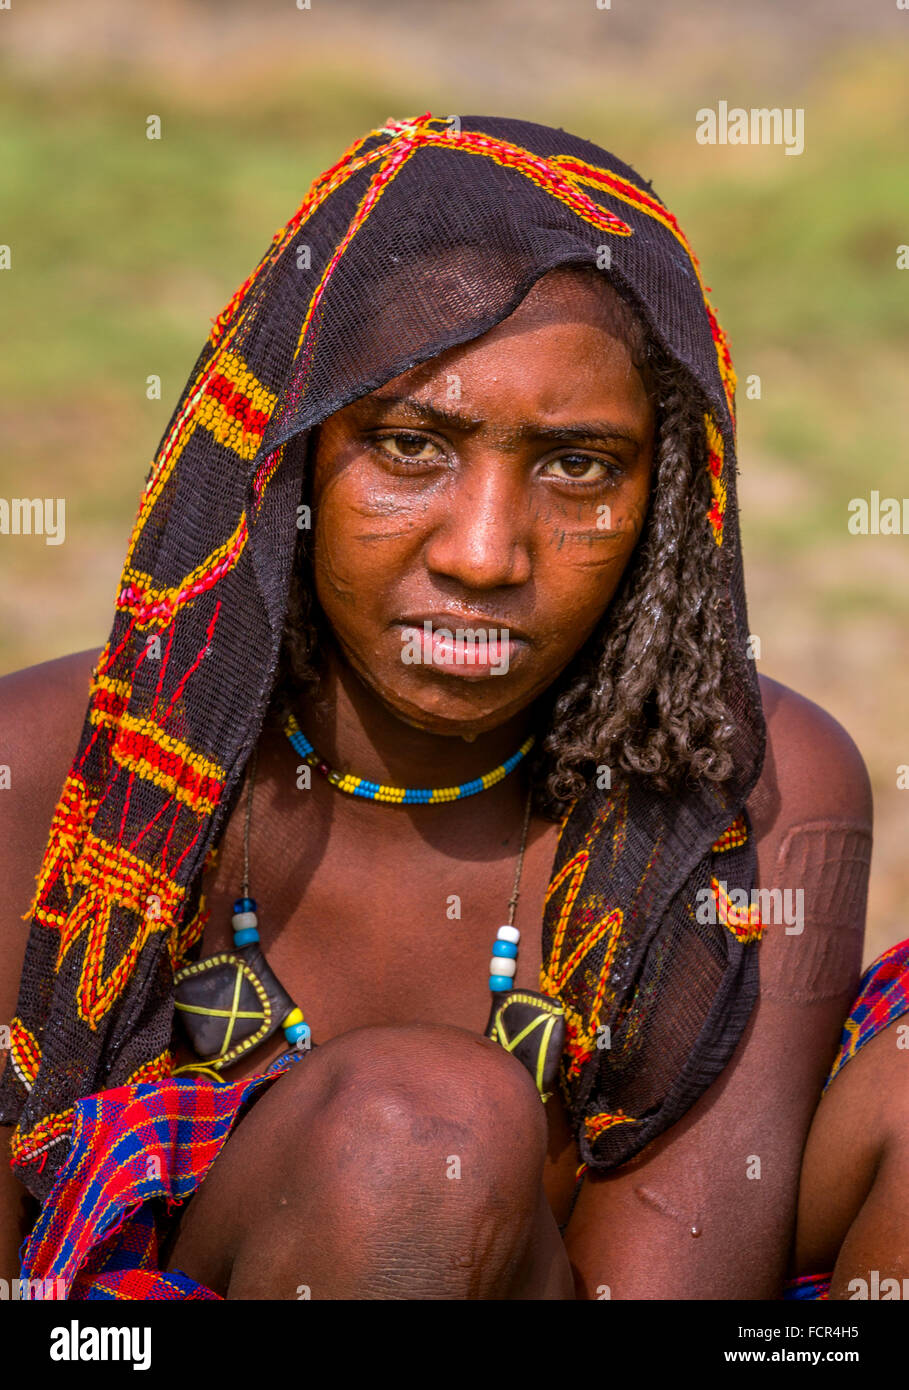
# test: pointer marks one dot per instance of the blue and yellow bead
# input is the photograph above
(296, 1030)
(402, 796)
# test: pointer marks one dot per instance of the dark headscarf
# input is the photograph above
(425, 234)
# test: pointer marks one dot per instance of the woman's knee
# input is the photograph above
(415, 1088)
(416, 1150)
(415, 1105)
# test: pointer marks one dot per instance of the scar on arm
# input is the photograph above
(661, 1203)
(829, 861)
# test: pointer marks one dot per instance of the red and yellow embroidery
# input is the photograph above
(732, 837)
(139, 597)
(595, 1125)
(235, 408)
(114, 878)
(155, 1070)
(24, 1053)
(24, 1148)
(73, 815)
(580, 1033)
(147, 750)
(715, 454)
(744, 922)
(580, 173)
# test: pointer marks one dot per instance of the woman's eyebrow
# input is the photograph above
(580, 432)
(430, 414)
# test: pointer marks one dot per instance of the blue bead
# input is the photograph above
(505, 948)
(245, 936)
(500, 983)
(245, 905)
(297, 1032)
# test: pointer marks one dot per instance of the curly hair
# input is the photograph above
(643, 695)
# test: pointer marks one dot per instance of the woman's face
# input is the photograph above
(473, 516)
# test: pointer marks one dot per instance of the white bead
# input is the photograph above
(508, 934)
(503, 965)
(244, 919)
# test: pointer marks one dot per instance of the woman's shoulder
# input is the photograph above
(811, 816)
(42, 709)
(813, 770)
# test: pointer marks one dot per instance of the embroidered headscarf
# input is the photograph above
(656, 992)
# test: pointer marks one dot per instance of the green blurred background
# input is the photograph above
(124, 249)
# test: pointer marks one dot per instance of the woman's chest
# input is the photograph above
(368, 933)
(362, 934)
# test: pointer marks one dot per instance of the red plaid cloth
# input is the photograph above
(883, 997)
(98, 1232)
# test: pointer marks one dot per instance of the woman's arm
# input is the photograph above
(41, 714)
(707, 1211)
(853, 1214)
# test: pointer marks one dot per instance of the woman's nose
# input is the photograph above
(482, 537)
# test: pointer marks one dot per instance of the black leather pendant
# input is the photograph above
(532, 1027)
(229, 1004)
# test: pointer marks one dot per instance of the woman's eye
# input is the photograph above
(410, 448)
(582, 468)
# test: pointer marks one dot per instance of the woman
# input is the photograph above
(446, 514)
(853, 1218)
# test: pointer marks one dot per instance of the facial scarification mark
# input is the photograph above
(368, 537)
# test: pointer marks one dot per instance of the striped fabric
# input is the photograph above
(137, 1152)
(883, 997)
(809, 1286)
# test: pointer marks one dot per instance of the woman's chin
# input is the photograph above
(441, 712)
(451, 725)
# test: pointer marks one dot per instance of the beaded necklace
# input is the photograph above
(232, 1002)
(407, 796)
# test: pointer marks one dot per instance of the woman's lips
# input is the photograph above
(467, 650)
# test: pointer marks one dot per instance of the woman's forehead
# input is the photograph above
(566, 300)
(578, 294)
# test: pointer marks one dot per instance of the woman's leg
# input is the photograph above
(393, 1163)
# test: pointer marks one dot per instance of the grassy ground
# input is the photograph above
(124, 248)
